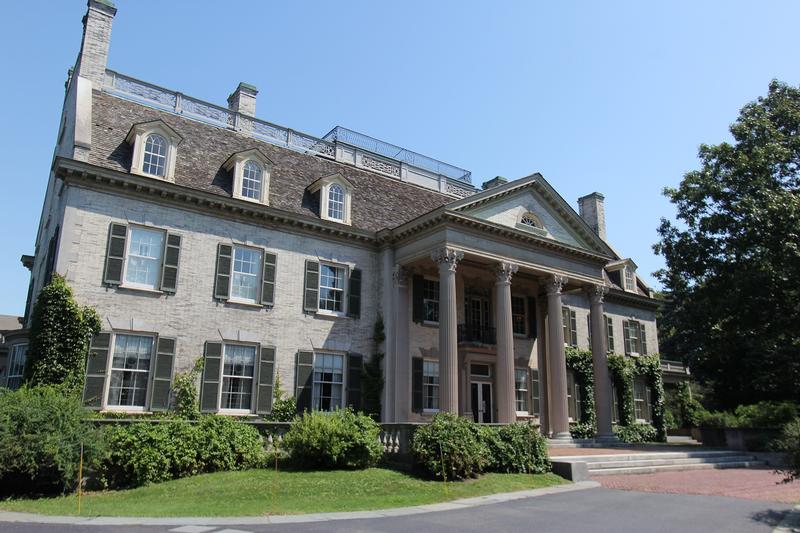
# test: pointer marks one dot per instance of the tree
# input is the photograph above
(732, 306)
(60, 335)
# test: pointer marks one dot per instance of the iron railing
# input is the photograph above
(477, 334)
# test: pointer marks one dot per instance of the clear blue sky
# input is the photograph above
(597, 96)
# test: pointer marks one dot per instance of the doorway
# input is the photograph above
(482, 410)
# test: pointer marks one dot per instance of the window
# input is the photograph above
(246, 272)
(635, 337)
(328, 381)
(640, 403)
(430, 300)
(238, 370)
(155, 155)
(144, 257)
(518, 315)
(630, 285)
(530, 222)
(529, 219)
(336, 202)
(573, 397)
(251, 180)
(610, 334)
(16, 365)
(521, 389)
(331, 288)
(614, 405)
(130, 371)
(430, 385)
(570, 325)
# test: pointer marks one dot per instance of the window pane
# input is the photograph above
(328, 380)
(430, 385)
(155, 155)
(16, 367)
(251, 180)
(331, 288)
(237, 376)
(130, 370)
(246, 273)
(521, 388)
(144, 257)
(430, 300)
(518, 315)
(336, 202)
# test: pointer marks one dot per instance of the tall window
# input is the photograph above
(336, 202)
(640, 406)
(430, 385)
(518, 315)
(570, 325)
(635, 337)
(246, 270)
(130, 370)
(237, 377)
(331, 288)
(629, 280)
(16, 365)
(573, 397)
(521, 389)
(155, 155)
(144, 257)
(610, 334)
(430, 300)
(328, 381)
(251, 180)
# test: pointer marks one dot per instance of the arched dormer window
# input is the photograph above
(529, 221)
(251, 172)
(334, 196)
(336, 202)
(155, 146)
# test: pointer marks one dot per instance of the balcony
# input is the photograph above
(476, 334)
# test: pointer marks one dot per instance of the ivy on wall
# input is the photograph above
(649, 367)
(372, 379)
(580, 363)
(622, 372)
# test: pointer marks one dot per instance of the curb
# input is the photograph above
(454, 505)
(790, 522)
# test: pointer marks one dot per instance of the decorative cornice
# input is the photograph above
(448, 257)
(596, 293)
(555, 284)
(504, 271)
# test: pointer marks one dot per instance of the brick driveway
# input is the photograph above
(751, 484)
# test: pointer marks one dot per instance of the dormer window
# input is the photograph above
(333, 194)
(154, 149)
(251, 172)
(630, 279)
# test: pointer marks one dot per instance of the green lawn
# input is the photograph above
(262, 492)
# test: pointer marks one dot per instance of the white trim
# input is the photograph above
(156, 287)
(259, 275)
(236, 164)
(345, 369)
(254, 380)
(323, 185)
(345, 290)
(138, 136)
(112, 346)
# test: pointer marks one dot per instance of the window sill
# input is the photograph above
(330, 314)
(126, 409)
(251, 200)
(520, 336)
(429, 324)
(244, 303)
(430, 411)
(138, 288)
(237, 412)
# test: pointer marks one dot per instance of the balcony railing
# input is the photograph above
(477, 334)
(674, 367)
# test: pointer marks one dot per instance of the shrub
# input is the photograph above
(689, 410)
(284, 408)
(516, 448)
(789, 443)
(227, 444)
(41, 432)
(341, 439)
(766, 414)
(185, 387)
(636, 433)
(451, 446)
(717, 419)
(582, 430)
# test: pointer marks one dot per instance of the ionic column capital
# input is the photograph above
(448, 257)
(504, 271)
(596, 293)
(400, 276)
(555, 283)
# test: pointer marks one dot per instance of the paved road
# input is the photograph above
(594, 510)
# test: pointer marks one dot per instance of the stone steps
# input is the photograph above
(674, 468)
(633, 463)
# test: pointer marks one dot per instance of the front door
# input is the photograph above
(481, 402)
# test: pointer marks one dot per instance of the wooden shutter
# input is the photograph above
(589, 324)
(571, 396)
(311, 292)
(162, 374)
(627, 336)
(609, 334)
(268, 279)
(222, 280)
(642, 339)
(417, 305)
(532, 324)
(169, 268)
(354, 294)
(533, 387)
(355, 364)
(96, 366)
(416, 384)
(649, 404)
(52, 249)
(573, 329)
(212, 372)
(266, 378)
(304, 380)
(115, 253)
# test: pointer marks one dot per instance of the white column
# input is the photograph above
(387, 312)
(448, 259)
(506, 411)
(557, 361)
(402, 370)
(602, 382)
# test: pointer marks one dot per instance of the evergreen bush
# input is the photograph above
(516, 448)
(450, 447)
(636, 433)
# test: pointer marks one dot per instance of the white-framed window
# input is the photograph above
(143, 262)
(155, 155)
(641, 404)
(430, 385)
(252, 177)
(238, 372)
(430, 301)
(569, 323)
(518, 324)
(334, 194)
(332, 288)
(634, 336)
(531, 222)
(16, 365)
(129, 371)
(336, 202)
(630, 280)
(250, 171)
(521, 389)
(574, 397)
(328, 391)
(154, 149)
(246, 274)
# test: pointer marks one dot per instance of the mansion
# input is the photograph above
(200, 231)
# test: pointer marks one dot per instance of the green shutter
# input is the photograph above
(212, 370)
(354, 294)
(610, 334)
(266, 375)
(115, 253)
(169, 268)
(96, 365)
(533, 386)
(627, 336)
(571, 395)
(222, 280)
(304, 380)
(268, 279)
(417, 305)
(311, 292)
(162, 374)
(532, 325)
(355, 365)
(642, 339)
(573, 329)
(416, 384)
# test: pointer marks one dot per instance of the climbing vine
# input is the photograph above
(580, 363)
(373, 379)
(649, 367)
(622, 372)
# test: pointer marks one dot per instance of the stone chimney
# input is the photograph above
(494, 182)
(593, 211)
(243, 99)
(93, 57)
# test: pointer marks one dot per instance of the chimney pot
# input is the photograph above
(243, 99)
(592, 210)
(494, 182)
(93, 58)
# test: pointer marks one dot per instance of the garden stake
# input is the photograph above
(80, 479)
(444, 470)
